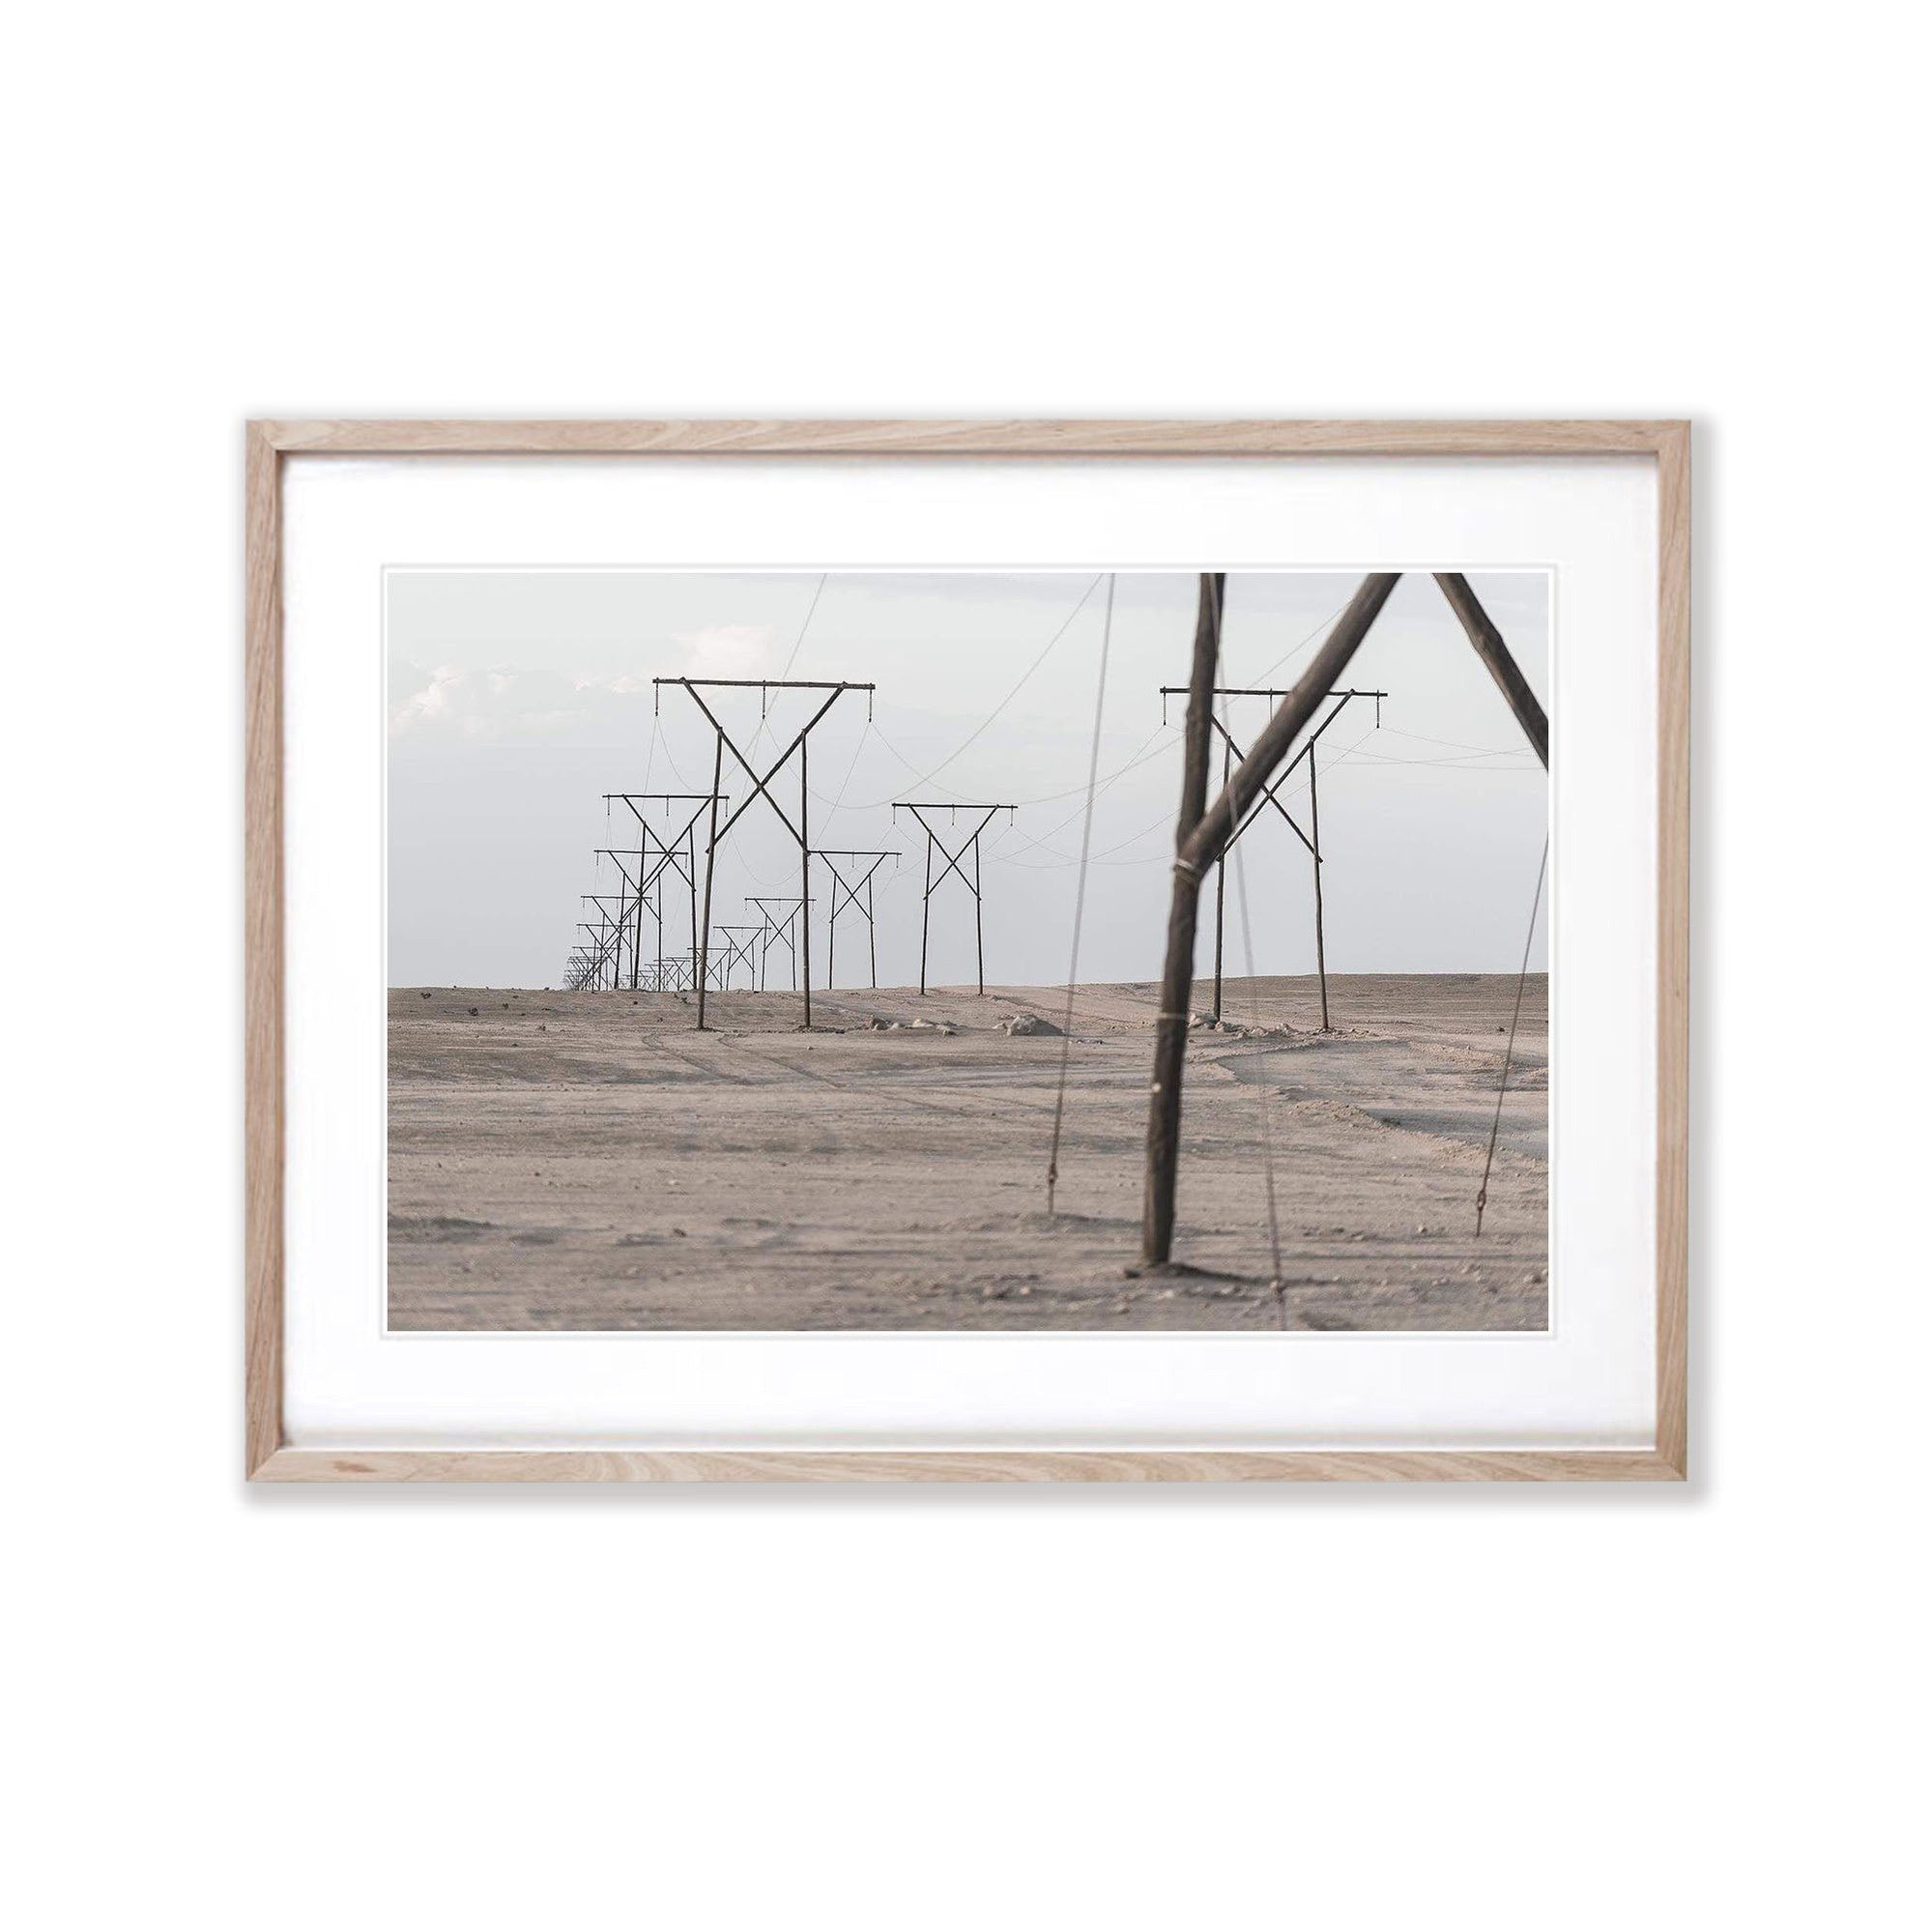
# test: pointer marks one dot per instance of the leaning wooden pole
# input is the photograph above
(1495, 654)
(1201, 837)
(1170, 1023)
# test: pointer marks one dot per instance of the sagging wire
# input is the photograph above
(1080, 897)
(1510, 1048)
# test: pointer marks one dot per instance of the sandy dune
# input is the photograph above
(583, 1161)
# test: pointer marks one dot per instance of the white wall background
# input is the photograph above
(1495, 1710)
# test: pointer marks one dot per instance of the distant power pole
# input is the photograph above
(610, 934)
(1266, 795)
(646, 896)
(741, 948)
(656, 853)
(846, 891)
(780, 928)
(598, 951)
(954, 863)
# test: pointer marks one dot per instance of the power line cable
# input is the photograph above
(1510, 1048)
(952, 756)
(1276, 1285)
(1079, 899)
(806, 625)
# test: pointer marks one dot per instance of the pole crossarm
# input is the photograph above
(1260, 691)
(767, 683)
(1270, 691)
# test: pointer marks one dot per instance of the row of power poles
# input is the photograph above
(612, 953)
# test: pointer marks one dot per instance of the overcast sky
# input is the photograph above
(516, 699)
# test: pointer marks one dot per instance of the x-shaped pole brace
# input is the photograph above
(1267, 795)
(852, 887)
(760, 782)
(954, 858)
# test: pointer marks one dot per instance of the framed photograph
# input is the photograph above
(968, 951)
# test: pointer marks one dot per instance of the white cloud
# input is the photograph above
(479, 707)
(483, 705)
(730, 651)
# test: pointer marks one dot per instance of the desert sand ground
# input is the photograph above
(591, 1160)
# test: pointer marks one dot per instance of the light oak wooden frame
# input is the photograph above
(269, 1459)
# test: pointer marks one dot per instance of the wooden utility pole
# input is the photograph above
(805, 870)
(1171, 1023)
(1201, 837)
(704, 939)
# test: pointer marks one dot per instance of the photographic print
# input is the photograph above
(978, 950)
